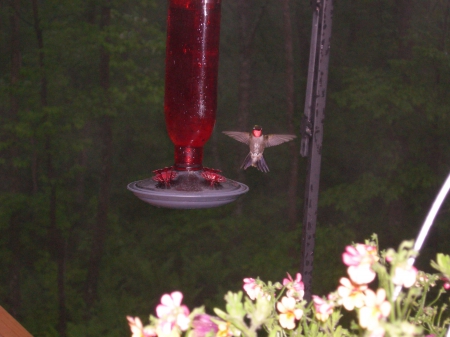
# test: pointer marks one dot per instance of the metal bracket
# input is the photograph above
(316, 5)
(306, 132)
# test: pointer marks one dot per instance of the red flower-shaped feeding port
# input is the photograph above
(164, 175)
(212, 176)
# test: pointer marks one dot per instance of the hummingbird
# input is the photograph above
(257, 143)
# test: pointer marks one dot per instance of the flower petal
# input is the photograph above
(361, 274)
(177, 297)
(287, 321)
(288, 302)
(166, 300)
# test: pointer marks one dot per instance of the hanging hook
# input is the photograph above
(426, 228)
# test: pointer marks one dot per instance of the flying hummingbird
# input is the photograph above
(257, 143)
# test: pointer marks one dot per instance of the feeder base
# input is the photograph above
(189, 190)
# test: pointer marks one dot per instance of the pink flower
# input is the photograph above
(138, 330)
(295, 288)
(135, 326)
(446, 284)
(288, 313)
(252, 289)
(323, 308)
(359, 260)
(376, 308)
(202, 325)
(172, 314)
(359, 254)
(405, 276)
(352, 294)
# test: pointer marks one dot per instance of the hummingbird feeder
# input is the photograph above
(190, 103)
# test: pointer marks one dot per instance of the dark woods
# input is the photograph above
(81, 94)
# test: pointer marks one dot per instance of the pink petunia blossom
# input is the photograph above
(359, 254)
(288, 313)
(172, 314)
(295, 288)
(323, 308)
(252, 289)
(202, 325)
(359, 259)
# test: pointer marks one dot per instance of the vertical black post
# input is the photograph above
(312, 130)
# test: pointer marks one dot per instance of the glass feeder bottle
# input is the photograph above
(192, 62)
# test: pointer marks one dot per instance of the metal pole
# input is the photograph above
(312, 130)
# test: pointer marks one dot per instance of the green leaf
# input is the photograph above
(442, 264)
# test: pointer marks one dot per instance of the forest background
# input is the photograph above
(81, 109)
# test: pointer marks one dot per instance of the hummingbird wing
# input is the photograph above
(272, 140)
(243, 137)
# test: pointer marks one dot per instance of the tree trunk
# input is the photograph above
(15, 56)
(403, 15)
(106, 138)
(55, 237)
(40, 41)
(290, 99)
(14, 298)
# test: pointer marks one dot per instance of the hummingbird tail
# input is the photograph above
(261, 165)
(247, 162)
